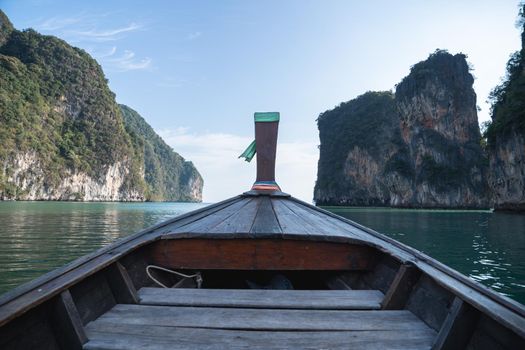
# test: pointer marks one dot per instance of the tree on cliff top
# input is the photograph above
(508, 98)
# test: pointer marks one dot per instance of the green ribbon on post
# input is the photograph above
(260, 117)
(249, 152)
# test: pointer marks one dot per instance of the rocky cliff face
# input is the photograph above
(507, 172)
(26, 174)
(506, 134)
(417, 148)
(63, 136)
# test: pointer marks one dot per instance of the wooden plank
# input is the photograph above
(66, 322)
(400, 289)
(456, 331)
(132, 337)
(196, 215)
(120, 284)
(37, 324)
(381, 276)
(321, 226)
(328, 225)
(262, 319)
(207, 223)
(290, 222)
(93, 297)
(430, 302)
(265, 221)
(274, 299)
(259, 254)
(239, 222)
(347, 229)
(34, 297)
(491, 335)
(502, 314)
(135, 264)
(23, 298)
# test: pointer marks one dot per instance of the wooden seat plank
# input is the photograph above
(276, 299)
(262, 319)
(126, 336)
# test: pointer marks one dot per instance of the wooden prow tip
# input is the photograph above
(266, 128)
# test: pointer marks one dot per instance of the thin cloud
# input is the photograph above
(107, 53)
(193, 36)
(88, 31)
(126, 61)
(56, 23)
(105, 35)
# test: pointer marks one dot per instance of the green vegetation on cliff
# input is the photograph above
(164, 170)
(508, 98)
(54, 100)
(55, 104)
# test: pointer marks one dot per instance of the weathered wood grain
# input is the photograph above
(456, 331)
(319, 226)
(124, 336)
(381, 276)
(273, 299)
(240, 221)
(92, 297)
(430, 302)
(66, 322)
(121, 285)
(265, 221)
(208, 222)
(484, 302)
(401, 287)
(491, 335)
(290, 222)
(262, 319)
(264, 254)
(14, 335)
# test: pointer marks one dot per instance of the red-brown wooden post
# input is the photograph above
(266, 128)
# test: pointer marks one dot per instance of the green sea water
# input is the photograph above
(36, 237)
(486, 246)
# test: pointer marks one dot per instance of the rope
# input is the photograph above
(197, 276)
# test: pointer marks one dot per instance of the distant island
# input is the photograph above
(64, 137)
(421, 147)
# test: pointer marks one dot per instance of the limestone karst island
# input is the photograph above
(262, 175)
(64, 137)
(422, 146)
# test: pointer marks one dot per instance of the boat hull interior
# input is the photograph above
(179, 285)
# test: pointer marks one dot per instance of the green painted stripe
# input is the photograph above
(266, 117)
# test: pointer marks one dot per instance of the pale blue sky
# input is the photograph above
(197, 70)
